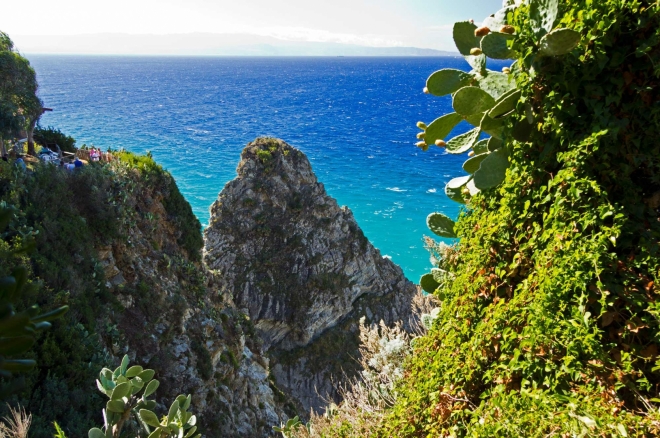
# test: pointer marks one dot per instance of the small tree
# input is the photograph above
(19, 104)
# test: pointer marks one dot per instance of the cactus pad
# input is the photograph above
(463, 142)
(499, 18)
(505, 104)
(428, 283)
(464, 37)
(441, 127)
(441, 225)
(472, 100)
(496, 84)
(454, 188)
(492, 170)
(481, 147)
(492, 127)
(496, 45)
(543, 14)
(447, 81)
(559, 42)
(494, 144)
(472, 164)
(465, 40)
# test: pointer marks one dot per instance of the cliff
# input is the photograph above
(261, 329)
(120, 245)
(301, 268)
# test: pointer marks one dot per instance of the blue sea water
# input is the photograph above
(353, 117)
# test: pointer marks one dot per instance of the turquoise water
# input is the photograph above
(353, 117)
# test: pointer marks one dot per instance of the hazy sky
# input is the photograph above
(419, 23)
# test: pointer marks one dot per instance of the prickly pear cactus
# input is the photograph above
(455, 188)
(543, 14)
(428, 318)
(496, 84)
(128, 390)
(505, 104)
(559, 42)
(447, 81)
(496, 45)
(441, 225)
(481, 147)
(440, 127)
(463, 142)
(472, 100)
(492, 170)
(428, 283)
(466, 40)
(472, 164)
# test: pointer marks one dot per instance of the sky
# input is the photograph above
(379, 23)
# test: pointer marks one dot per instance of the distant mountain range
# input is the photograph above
(203, 44)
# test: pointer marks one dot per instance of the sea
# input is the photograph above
(354, 118)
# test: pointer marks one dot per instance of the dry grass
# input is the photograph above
(383, 351)
(17, 425)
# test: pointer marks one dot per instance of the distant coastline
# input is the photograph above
(203, 44)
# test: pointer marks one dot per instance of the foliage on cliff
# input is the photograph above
(71, 216)
(19, 104)
(550, 308)
(549, 322)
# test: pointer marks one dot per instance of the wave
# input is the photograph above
(396, 189)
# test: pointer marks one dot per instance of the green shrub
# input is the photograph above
(549, 324)
(71, 216)
(50, 135)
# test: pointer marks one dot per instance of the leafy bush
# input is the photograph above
(550, 310)
(71, 216)
(50, 135)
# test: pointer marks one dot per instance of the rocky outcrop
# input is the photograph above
(169, 317)
(301, 268)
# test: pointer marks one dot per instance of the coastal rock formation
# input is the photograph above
(172, 320)
(301, 268)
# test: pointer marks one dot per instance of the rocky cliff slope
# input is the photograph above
(120, 245)
(301, 268)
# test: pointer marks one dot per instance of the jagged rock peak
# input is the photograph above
(300, 267)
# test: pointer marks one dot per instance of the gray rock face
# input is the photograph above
(301, 268)
(172, 319)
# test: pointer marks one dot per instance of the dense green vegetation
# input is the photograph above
(71, 216)
(550, 311)
(20, 107)
(50, 135)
